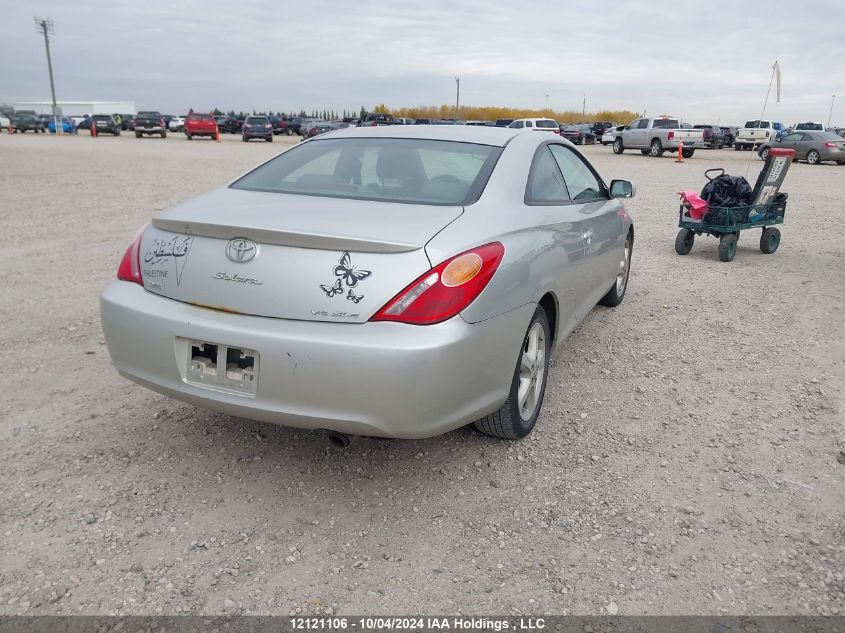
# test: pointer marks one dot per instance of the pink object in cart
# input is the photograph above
(698, 206)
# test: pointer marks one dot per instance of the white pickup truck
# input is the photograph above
(655, 136)
(754, 134)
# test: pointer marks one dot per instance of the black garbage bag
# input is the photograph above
(727, 191)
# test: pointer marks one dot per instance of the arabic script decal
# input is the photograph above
(164, 251)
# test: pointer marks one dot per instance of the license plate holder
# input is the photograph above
(222, 367)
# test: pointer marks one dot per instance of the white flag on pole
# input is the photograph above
(776, 68)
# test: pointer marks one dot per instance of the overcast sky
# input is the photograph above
(706, 62)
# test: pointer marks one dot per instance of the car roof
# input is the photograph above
(484, 135)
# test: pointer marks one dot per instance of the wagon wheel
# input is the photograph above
(769, 240)
(684, 241)
(727, 247)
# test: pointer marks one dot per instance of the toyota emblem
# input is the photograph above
(241, 250)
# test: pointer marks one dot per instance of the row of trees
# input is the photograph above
(478, 113)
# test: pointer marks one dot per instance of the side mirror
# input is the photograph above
(622, 189)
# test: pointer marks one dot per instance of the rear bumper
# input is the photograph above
(380, 379)
(258, 134)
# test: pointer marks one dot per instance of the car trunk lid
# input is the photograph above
(289, 256)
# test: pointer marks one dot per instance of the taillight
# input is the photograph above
(130, 265)
(670, 136)
(161, 122)
(831, 145)
(446, 289)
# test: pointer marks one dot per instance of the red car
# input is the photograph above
(199, 124)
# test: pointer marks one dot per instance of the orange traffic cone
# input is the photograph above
(680, 158)
(216, 132)
(93, 129)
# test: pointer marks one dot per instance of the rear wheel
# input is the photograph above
(137, 135)
(618, 148)
(270, 139)
(684, 241)
(687, 153)
(813, 157)
(727, 247)
(164, 135)
(644, 152)
(517, 416)
(188, 136)
(616, 293)
(763, 153)
(656, 148)
(769, 240)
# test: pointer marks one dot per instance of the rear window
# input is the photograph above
(547, 123)
(665, 123)
(810, 126)
(256, 120)
(758, 123)
(200, 117)
(101, 117)
(827, 136)
(149, 115)
(414, 171)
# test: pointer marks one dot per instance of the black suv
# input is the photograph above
(105, 123)
(377, 118)
(729, 132)
(600, 127)
(714, 138)
(257, 127)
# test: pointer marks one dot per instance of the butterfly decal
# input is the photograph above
(331, 291)
(348, 273)
(353, 297)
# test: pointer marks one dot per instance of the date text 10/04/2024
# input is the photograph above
(417, 623)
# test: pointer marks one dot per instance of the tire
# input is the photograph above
(840, 162)
(514, 421)
(656, 148)
(769, 240)
(288, 132)
(644, 152)
(137, 135)
(188, 136)
(618, 147)
(763, 153)
(737, 147)
(616, 293)
(244, 139)
(164, 135)
(117, 132)
(270, 140)
(813, 157)
(727, 247)
(684, 241)
(687, 153)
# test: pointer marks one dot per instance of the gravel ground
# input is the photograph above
(687, 460)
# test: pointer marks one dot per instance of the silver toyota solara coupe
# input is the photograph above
(383, 281)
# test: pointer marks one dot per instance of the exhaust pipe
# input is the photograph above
(339, 440)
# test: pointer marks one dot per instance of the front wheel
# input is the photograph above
(616, 293)
(727, 247)
(517, 416)
(618, 148)
(769, 240)
(813, 157)
(684, 241)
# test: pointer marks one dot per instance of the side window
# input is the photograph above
(529, 124)
(582, 184)
(518, 124)
(545, 182)
(633, 125)
(643, 124)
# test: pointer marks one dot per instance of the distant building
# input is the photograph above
(79, 108)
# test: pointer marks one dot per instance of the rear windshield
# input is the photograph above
(417, 171)
(257, 119)
(200, 117)
(149, 115)
(809, 126)
(546, 123)
(828, 136)
(758, 124)
(665, 123)
(101, 117)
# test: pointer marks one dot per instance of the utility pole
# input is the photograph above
(547, 104)
(584, 107)
(45, 27)
(458, 96)
(830, 114)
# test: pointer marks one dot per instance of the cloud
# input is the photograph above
(705, 61)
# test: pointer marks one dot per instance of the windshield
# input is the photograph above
(810, 126)
(391, 170)
(665, 123)
(758, 124)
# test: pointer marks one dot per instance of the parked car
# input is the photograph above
(176, 124)
(729, 134)
(578, 134)
(503, 122)
(25, 123)
(257, 127)
(229, 125)
(813, 146)
(149, 122)
(610, 134)
(600, 127)
(320, 127)
(404, 121)
(68, 126)
(5, 122)
(540, 125)
(339, 125)
(809, 126)
(422, 121)
(127, 122)
(754, 133)
(105, 124)
(472, 255)
(378, 118)
(293, 125)
(200, 124)
(278, 124)
(712, 136)
(657, 135)
(306, 125)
